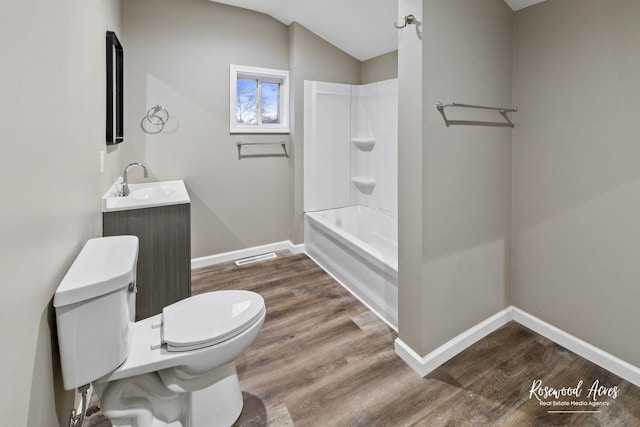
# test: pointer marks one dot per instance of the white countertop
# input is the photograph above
(145, 195)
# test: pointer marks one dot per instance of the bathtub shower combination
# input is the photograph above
(350, 188)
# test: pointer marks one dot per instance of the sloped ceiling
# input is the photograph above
(362, 28)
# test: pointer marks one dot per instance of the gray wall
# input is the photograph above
(311, 58)
(52, 118)
(576, 170)
(410, 112)
(464, 175)
(383, 67)
(178, 55)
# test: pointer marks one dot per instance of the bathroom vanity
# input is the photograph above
(159, 214)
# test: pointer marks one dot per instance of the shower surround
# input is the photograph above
(351, 188)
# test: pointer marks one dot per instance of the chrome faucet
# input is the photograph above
(125, 183)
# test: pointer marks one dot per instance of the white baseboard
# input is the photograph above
(426, 364)
(245, 253)
(592, 353)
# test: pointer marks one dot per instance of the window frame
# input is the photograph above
(261, 75)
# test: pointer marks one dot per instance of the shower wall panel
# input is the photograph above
(327, 111)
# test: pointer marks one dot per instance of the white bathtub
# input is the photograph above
(359, 246)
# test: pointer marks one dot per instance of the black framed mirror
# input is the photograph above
(115, 91)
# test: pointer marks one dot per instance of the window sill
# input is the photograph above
(258, 130)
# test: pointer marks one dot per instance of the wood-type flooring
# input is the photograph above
(322, 359)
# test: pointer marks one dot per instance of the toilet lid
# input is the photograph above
(210, 318)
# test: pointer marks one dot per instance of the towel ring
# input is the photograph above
(156, 116)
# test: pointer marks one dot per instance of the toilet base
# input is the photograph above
(144, 401)
(220, 404)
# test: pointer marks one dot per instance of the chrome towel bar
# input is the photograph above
(240, 144)
(502, 110)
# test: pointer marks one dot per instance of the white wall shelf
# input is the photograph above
(363, 184)
(364, 144)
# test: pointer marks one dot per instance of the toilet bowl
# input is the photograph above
(174, 369)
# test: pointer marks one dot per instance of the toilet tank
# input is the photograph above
(95, 304)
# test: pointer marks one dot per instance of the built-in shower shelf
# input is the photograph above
(363, 184)
(364, 144)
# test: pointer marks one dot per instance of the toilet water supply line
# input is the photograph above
(76, 419)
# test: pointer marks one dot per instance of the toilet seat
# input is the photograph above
(210, 318)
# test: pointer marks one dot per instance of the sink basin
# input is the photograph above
(145, 195)
(152, 193)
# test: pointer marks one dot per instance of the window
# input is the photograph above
(259, 100)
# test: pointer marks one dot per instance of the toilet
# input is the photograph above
(174, 369)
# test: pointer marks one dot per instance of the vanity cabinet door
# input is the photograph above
(164, 258)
